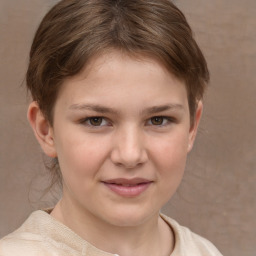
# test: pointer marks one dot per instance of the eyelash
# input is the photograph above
(87, 121)
(165, 121)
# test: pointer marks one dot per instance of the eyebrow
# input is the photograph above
(107, 110)
(93, 107)
(161, 108)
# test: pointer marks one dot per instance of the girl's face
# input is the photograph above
(121, 133)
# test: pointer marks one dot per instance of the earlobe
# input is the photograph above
(42, 129)
(194, 127)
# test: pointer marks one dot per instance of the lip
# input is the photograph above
(128, 187)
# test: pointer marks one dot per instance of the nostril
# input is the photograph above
(129, 151)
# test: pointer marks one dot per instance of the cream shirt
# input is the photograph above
(42, 235)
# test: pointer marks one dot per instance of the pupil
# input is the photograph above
(96, 121)
(157, 120)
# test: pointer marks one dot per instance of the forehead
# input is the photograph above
(114, 76)
(122, 63)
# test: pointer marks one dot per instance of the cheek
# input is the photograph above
(80, 158)
(170, 160)
(172, 150)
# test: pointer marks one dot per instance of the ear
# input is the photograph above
(42, 129)
(194, 127)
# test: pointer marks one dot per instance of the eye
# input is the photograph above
(159, 121)
(95, 121)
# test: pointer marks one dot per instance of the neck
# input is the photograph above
(124, 241)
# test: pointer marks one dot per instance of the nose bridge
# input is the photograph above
(129, 149)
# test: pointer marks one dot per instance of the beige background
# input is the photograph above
(217, 196)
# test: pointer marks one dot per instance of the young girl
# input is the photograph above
(117, 90)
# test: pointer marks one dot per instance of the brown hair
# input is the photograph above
(74, 31)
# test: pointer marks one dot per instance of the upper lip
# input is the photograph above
(124, 181)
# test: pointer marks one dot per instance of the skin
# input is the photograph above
(128, 142)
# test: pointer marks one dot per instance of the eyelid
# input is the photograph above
(84, 121)
(169, 120)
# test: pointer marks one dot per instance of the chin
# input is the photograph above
(129, 217)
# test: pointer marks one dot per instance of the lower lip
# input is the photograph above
(128, 191)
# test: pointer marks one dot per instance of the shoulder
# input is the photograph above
(188, 243)
(21, 242)
(29, 239)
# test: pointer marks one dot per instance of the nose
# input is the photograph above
(129, 150)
